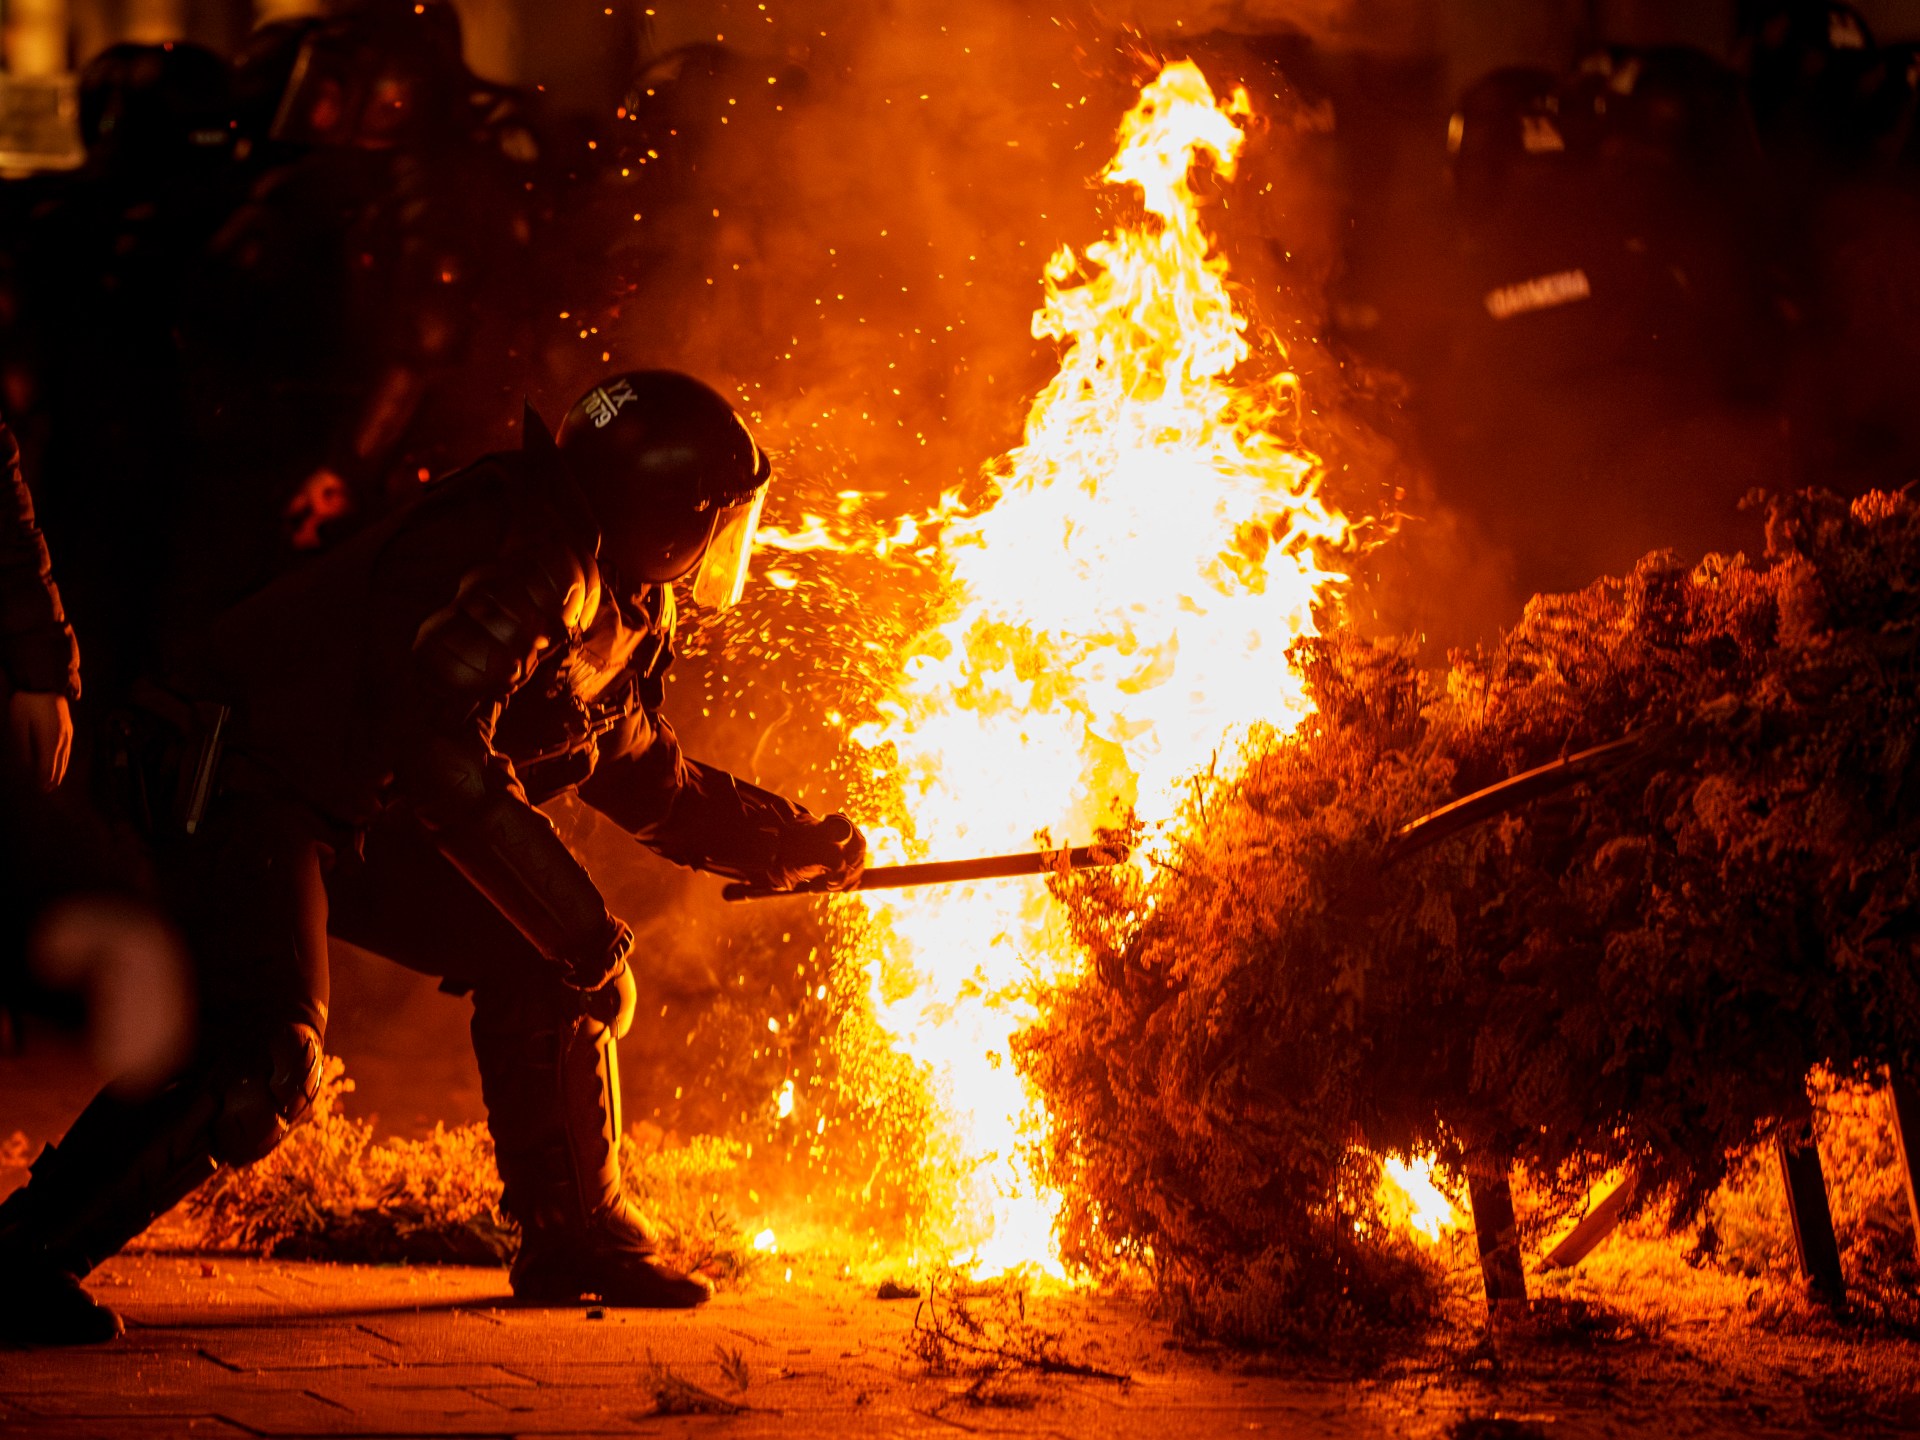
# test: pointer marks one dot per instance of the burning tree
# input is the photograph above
(1212, 1051)
(1641, 970)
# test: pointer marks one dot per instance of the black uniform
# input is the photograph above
(370, 709)
(353, 327)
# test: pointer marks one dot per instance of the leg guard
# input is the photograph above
(121, 1165)
(553, 1104)
(124, 1163)
(552, 1089)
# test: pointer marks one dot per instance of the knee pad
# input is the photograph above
(266, 1094)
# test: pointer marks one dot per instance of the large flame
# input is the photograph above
(1119, 613)
(1411, 1198)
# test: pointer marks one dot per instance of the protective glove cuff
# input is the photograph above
(592, 971)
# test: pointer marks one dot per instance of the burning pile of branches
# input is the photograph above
(334, 1192)
(1640, 970)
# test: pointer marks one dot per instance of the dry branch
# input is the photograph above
(1638, 970)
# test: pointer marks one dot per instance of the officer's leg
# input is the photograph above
(252, 904)
(549, 1073)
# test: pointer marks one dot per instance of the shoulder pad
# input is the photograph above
(561, 581)
(508, 615)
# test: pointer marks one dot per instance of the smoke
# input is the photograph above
(845, 225)
(854, 222)
(1382, 25)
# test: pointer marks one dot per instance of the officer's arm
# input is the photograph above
(467, 659)
(37, 650)
(705, 819)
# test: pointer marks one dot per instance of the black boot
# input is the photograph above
(41, 1304)
(553, 1105)
(122, 1165)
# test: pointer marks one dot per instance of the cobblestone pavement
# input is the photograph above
(226, 1347)
(262, 1348)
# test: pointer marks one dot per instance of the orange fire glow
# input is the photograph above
(1118, 617)
(1412, 1200)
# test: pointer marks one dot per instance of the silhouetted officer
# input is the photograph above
(361, 746)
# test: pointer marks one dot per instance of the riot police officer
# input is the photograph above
(361, 747)
(349, 324)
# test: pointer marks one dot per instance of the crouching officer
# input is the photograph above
(360, 748)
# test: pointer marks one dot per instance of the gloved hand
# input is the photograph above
(821, 855)
(613, 1003)
(593, 968)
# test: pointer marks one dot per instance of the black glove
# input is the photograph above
(820, 855)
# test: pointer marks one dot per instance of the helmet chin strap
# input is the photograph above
(652, 615)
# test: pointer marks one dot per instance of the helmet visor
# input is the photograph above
(722, 577)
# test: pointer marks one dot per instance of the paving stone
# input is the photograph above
(269, 1349)
(448, 1375)
(399, 1401)
(295, 1352)
(202, 1427)
(241, 1403)
(25, 1374)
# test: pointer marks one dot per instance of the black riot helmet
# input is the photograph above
(262, 66)
(672, 477)
(1506, 121)
(379, 75)
(159, 111)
